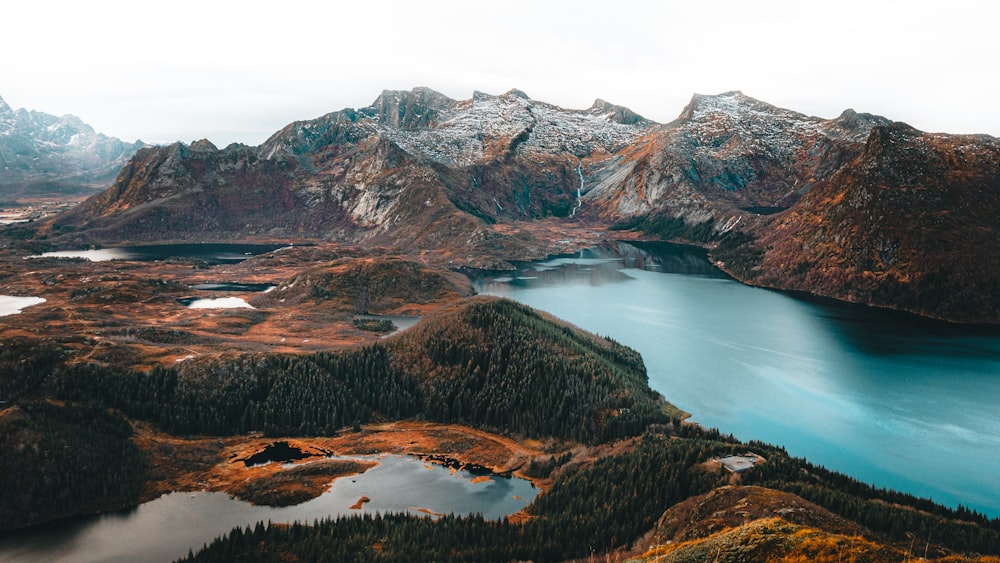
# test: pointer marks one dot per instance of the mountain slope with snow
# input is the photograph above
(726, 156)
(42, 154)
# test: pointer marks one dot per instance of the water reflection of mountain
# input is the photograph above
(210, 253)
(669, 258)
(885, 332)
(604, 264)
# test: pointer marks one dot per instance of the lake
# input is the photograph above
(401, 322)
(889, 398)
(211, 253)
(164, 529)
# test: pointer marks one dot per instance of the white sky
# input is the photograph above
(241, 70)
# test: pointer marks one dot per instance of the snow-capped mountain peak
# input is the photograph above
(40, 151)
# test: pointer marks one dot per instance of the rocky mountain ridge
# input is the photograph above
(725, 154)
(910, 222)
(414, 169)
(417, 171)
(43, 154)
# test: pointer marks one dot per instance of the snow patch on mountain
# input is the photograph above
(37, 148)
(487, 126)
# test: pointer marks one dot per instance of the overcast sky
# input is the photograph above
(239, 71)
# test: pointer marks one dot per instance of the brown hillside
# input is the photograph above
(727, 507)
(369, 285)
(911, 223)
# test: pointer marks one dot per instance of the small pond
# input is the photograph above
(216, 303)
(400, 322)
(234, 286)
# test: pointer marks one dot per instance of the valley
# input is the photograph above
(869, 210)
(132, 311)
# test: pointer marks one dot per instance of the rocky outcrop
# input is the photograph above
(415, 109)
(730, 506)
(758, 524)
(45, 155)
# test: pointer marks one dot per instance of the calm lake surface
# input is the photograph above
(164, 529)
(221, 253)
(888, 398)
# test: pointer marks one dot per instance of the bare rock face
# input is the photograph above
(42, 154)
(725, 158)
(409, 110)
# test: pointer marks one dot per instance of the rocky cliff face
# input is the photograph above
(727, 159)
(42, 154)
(856, 207)
(910, 222)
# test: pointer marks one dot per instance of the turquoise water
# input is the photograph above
(888, 398)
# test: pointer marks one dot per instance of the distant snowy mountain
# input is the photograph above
(46, 155)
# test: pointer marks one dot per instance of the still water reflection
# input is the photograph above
(164, 529)
(888, 398)
(211, 253)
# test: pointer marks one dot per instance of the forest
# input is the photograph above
(62, 460)
(490, 363)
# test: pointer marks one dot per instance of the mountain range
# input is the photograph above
(48, 155)
(858, 208)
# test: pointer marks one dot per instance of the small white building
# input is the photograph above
(740, 463)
